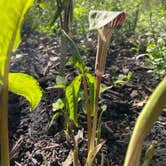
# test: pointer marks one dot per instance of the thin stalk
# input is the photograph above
(98, 82)
(75, 156)
(75, 147)
(4, 145)
(4, 140)
(89, 123)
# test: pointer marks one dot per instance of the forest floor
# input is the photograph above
(33, 144)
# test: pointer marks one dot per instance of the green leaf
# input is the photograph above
(53, 118)
(44, 5)
(105, 88)
(57, 87)
(60, 83)
(72, 94)
(92, 91)
(11, 18)
(76, 56)
(61, 80)
(123, 79)
(26, 86)
(58, 105)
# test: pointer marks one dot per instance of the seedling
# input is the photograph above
(105, 23)
(11, 18)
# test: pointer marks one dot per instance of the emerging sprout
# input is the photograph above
(104, 22)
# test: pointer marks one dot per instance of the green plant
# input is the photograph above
(156, 52)
(70, 102)
(145, 121)
(11, 19)
(110, 20)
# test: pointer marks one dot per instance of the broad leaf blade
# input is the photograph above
(26, 86)
(11, 18)
(92, 91)
(72, 94)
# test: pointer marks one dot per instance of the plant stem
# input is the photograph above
(4, 145)
(98, 79)
(4, 140)
(145, 121)
(89, 125)
(75, 146)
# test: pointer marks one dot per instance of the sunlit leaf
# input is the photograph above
(61, 80)
(43, 5)
(105, 88)
(26, 86)
(53, 118)
(92, 91)
(58, 105)
(72, 94)
(11, 18)
(57, 87)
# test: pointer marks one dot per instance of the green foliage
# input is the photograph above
(58, 108)
(11, 19)
(58, 105)
(76, 56)
(156, 52)
(26, 86)
(149, 153)
(122, 79)
(39, 16)
(92, 91)
(69, 104)
(72, 94)
(61, 80)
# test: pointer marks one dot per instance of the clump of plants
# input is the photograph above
(156, 52)
(104, 22)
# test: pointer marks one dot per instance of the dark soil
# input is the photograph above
(33, 144)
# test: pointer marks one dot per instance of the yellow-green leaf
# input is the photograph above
(72, 94)
(26, 86)
(11, 18)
